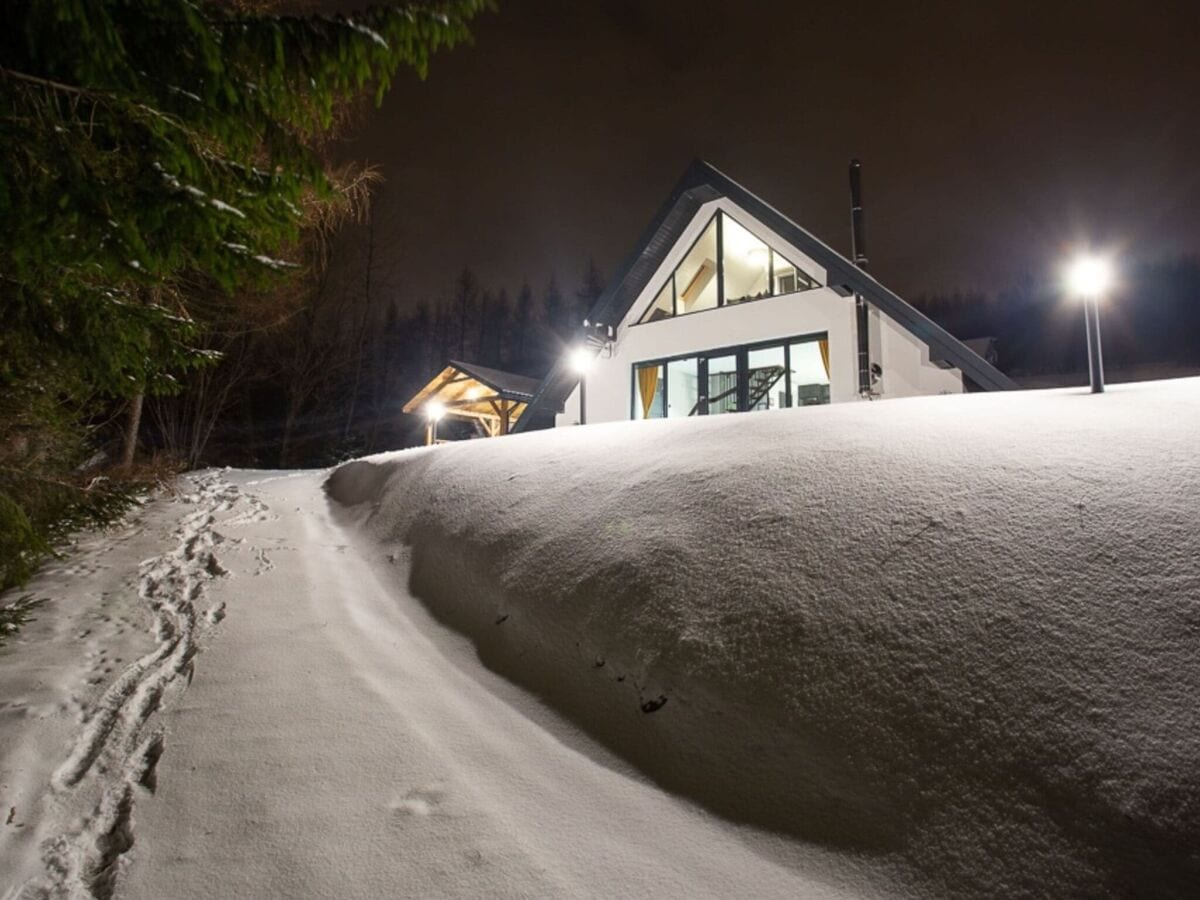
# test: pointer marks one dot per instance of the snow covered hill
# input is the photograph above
(955, 638)
(947, 646)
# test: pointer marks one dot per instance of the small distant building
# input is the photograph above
(492, 400)
(726, 305)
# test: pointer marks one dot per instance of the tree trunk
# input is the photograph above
(132, 425)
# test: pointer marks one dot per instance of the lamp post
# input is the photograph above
(581, 361)
(433, 414)
(1088, 277)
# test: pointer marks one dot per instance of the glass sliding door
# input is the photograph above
(809, 372)
(790, 372)
(683, 387)
(766, 379)
(722, 383)
(649, 391)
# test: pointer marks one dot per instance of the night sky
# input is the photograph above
(991, 139)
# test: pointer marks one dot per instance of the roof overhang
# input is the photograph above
(464, 394)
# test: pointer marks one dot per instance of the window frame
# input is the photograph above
(719, 215)
(742, 353)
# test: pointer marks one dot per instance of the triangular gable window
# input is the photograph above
(726, 265)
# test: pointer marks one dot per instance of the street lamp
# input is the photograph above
(1088, 277)
(434, 410)
(581, 360)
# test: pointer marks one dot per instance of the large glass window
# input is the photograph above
(726, 265)
(789, 277)
(683, 387)
(722, 384)
(766, 371)
(649, 391)
(809, 375)
(772, 376)
(747, 264)
(664, 304)
(696, 277)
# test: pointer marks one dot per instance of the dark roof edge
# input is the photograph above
(487, 375)
(840, 270)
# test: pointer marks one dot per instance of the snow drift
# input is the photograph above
(956, 637)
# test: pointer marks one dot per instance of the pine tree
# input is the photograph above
(522, 330)
(144, 141)
(590, 288)
(466, 291)
(146, 148)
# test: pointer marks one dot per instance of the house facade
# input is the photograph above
(725, 305)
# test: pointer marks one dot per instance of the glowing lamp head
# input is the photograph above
(434, 410)
(474, 392)
(581, 359)
(1089, 276)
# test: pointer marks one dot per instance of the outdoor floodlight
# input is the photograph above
(581, 359)
(434, 410)
(1089, 277)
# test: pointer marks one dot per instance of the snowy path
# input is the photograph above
(328, 738)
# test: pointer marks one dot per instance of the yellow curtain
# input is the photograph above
(647, 382)
(823, 346)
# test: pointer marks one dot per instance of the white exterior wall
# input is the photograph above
(907, 371)
(905, 361)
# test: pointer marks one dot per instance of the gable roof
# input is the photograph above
(458, 388)
(702, 183)
(506, 384)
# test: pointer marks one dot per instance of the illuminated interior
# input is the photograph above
(726, 265)
(775, 375)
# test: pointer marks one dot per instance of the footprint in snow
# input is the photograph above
(419, 802)
(651, 706)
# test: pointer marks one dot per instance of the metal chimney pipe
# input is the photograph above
(858, 240)
(858, 252)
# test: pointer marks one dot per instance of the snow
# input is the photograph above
(938, 646)
(369, 32)
(225, 207)
(956, 634)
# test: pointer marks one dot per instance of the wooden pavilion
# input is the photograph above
(493, 400)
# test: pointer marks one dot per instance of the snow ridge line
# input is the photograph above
(116, 753)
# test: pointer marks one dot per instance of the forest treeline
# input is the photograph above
(329, 381)
(1152, 317)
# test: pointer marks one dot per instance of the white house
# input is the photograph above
(727, 305)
